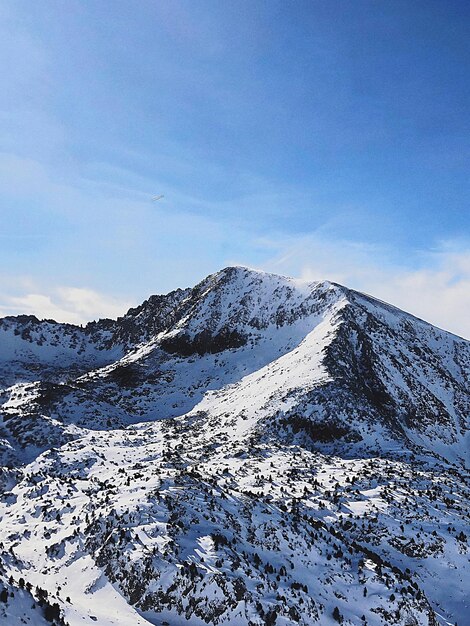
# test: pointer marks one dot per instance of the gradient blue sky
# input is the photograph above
(319, 139)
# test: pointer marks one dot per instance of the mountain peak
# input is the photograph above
(253, 450)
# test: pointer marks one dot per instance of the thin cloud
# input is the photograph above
(435, 286)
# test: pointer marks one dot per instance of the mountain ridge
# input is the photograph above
(215, 436)
(155, 298)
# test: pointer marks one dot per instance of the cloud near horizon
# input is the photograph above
(72, 305)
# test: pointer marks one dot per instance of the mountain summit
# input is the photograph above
(253, 450)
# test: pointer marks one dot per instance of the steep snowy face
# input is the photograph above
(242, 299)
(217, 314)
(412, 375)
(175, 349)
(289, 358)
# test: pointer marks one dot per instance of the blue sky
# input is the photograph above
(319, 139)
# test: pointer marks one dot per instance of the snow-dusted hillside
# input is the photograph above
(255, 450)
(21, 604)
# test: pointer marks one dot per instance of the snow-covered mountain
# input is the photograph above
(254, 450)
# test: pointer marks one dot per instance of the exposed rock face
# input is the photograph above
(254, 450)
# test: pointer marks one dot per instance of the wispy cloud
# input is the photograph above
(433, 285)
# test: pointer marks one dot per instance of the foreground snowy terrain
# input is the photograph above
(254, 450)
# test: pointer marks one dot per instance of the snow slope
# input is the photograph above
(254, 450)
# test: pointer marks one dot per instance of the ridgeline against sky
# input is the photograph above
(324, 140)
